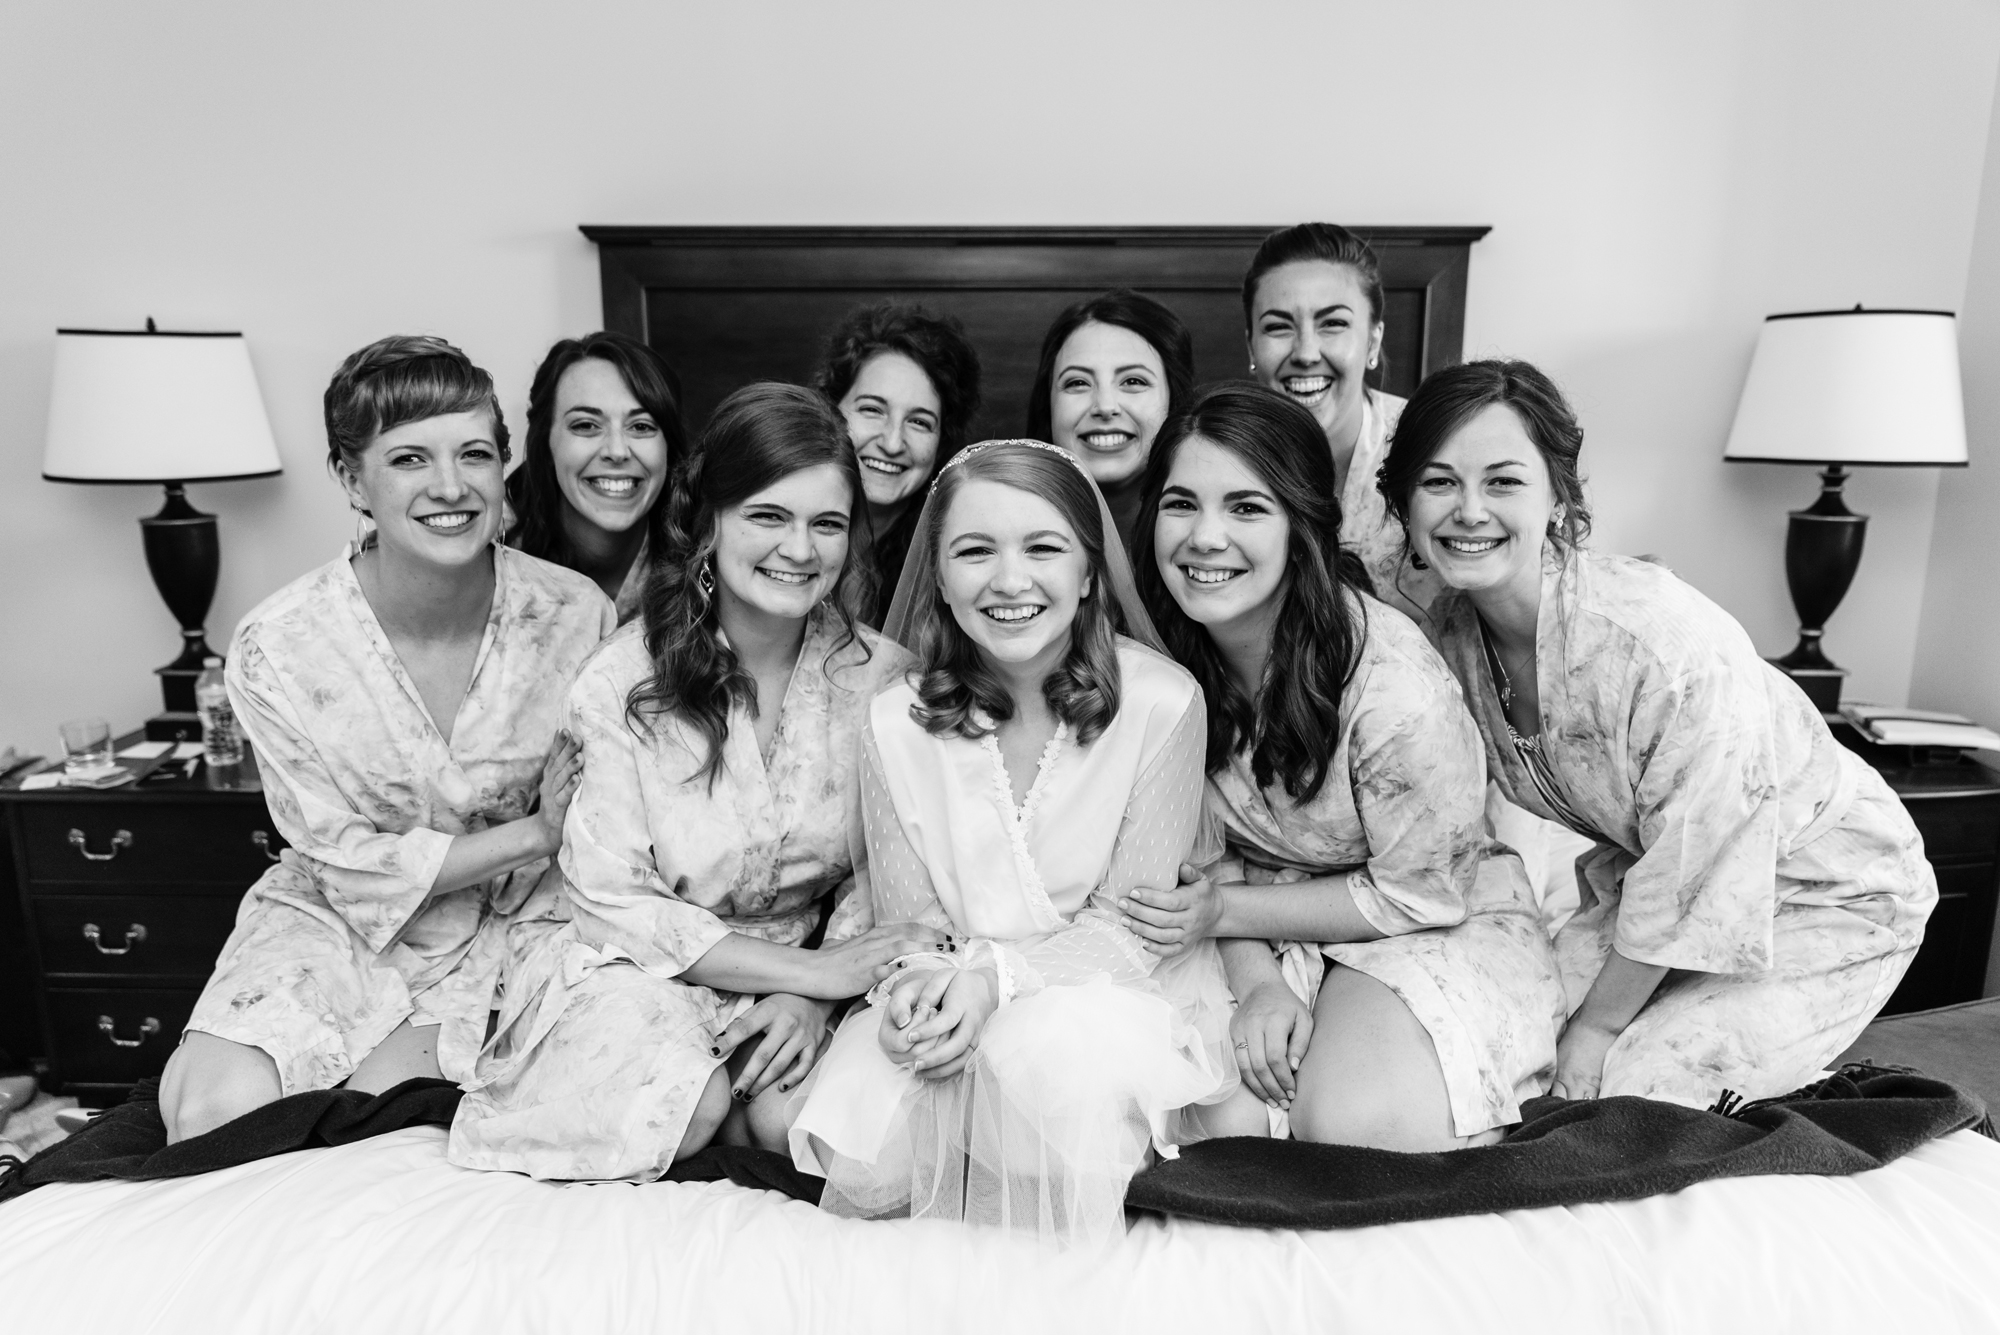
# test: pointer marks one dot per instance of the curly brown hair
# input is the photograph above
(760, 434)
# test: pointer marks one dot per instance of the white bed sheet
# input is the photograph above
(385, 1236)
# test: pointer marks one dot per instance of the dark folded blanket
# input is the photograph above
(1563, 1153)
(130, 1141)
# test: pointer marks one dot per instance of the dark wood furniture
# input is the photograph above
(1957, 809)
(729, 305)
(127, 897)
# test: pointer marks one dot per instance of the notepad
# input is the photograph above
(1895, 726)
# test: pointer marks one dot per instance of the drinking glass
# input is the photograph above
(86, 744)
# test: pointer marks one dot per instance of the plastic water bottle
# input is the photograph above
(221, 740)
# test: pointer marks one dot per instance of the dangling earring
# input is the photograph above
(361, 530)
(1557, 517)
(1253, 366)
(705, 580)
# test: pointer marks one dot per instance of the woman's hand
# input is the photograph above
(1580, 1059)
(848, 968)
(1271, 1029)
(1170, 922)
(561, 773)
(904, 1007)
(946, 1016)
(794, 1031)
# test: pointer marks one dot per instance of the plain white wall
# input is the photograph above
(1958, 647)
(1958, 642)
(1658, 178)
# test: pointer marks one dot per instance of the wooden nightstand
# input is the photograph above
(128, 896)
(1957, 810)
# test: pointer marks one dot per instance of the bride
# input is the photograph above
(1035, 766)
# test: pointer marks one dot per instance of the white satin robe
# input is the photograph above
(1096, 1042)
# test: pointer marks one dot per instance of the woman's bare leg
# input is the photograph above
(408, 1053)
(1371, 1076)
(1241, 1114)
(210, 1080)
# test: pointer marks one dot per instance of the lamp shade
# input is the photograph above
(1853, 387)
(144, 406)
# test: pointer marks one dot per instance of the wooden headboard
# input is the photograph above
(728, 305)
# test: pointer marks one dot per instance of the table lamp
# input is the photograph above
(139, 406)
(1838, 389)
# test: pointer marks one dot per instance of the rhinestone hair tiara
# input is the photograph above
(971, 450)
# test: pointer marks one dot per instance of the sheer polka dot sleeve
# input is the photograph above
(1160, 828)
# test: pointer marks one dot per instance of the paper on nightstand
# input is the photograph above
(1919, 727)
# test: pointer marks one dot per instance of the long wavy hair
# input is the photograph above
(757, 436)
(533, 493)
(952, 680)
(1317, 631)
(1450, 398)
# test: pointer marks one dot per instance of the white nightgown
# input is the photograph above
(343, 940)
(602, 1052)
(1766, 866)
(1096, 1042)
(1402, 816)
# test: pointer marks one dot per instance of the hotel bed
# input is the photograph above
(385, 1236)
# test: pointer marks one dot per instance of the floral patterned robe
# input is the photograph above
(1366, 526)
(1736, 842)
(343, 940)
(602, 1052)
(1402, 816)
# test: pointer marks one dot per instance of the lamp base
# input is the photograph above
(185, 557)
(1822, 552)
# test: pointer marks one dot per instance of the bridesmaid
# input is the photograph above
(1312, 313)
(1395, 987)
(675, 1003)
(402, 701)
(1755, 891)
(1113, 368)
(604, 428)
(1312, 306)
(906, 382)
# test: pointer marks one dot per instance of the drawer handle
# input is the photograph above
(263, 842)
(81, 843)
(109, 1028)
(133, 936)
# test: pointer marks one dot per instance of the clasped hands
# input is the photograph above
(932, 1018)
